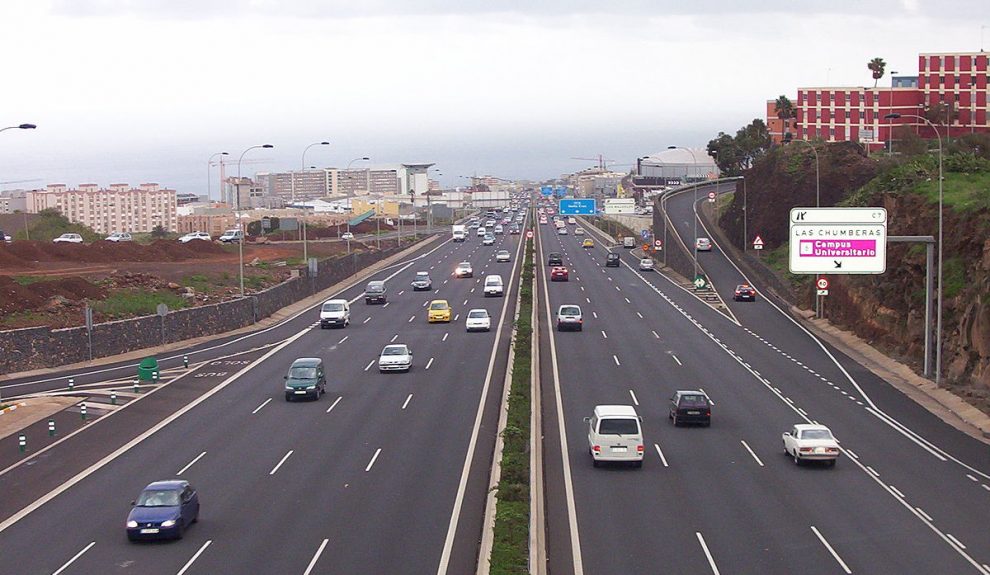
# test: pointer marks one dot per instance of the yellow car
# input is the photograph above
(439, 311)
(588, 243)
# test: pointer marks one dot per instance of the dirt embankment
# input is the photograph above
(26, 254)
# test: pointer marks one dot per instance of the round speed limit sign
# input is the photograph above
(822, 283)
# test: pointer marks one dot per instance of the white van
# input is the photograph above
(615, 434)
(335, 312)
(629, 242)
(231, 237)
(493, 285)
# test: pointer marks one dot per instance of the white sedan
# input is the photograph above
(195, 236)
(478, 320)
(68, 239)
(807, 442)
(347, 236)
(503, 256)
(395, 357)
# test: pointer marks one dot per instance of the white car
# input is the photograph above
(503, 256)
(571, 221)
(478, 320)
(562, 231)
(395, 357)
(119, 237)
(482, 232)
(335, 312)
(347, 236)
(493, 286)
(499, 229)
(68, 239)
(464, 270)
(489, 240)
(703, 245)
(615, 434)
(646, 264)
(195, 236)
(569, 317)
(807, 442)
(578, 231)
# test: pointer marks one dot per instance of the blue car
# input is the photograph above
(163, 511)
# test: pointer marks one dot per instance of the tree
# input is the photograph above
(943, 113)
(159, 232)
(784, 109)
(733, 154)
(876, 66)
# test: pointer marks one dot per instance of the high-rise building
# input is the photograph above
(300, 185)
(119, 208)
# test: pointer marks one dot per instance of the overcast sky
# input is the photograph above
(146, 90)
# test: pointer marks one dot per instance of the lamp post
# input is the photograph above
(818, 298)
(208, 164)
(19, 127)
(365, 159)
(938, 291)
(240, 243)
(293, 184)
(694, 207)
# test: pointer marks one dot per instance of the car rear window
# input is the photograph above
(815, 434)
(333, 307)
(693, 401)
(618, 427)
(478, 313)
(570, 310)
(375, 287)
(438, 305)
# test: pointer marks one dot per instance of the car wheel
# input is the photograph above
(181, 527)
(595, 462)
(638, 464)
(708, 423)
(580, 328)
(832, 463)
(797, 460)
(288, 397)
(676, 423)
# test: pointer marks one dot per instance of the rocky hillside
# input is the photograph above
(888, 310)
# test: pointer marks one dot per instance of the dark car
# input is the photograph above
(744, 292)
(306, 378)
(612, 260)
(555, 259)
(163, 511)
(374, 292)
(690, 407)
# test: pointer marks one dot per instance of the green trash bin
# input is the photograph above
(148, 369)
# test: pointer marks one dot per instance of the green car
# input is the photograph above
(306, 378)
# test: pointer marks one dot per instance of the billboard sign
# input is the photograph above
(838, 240)
(546, 190)
(577, 207)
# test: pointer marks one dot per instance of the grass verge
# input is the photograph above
(510, 549)
(134, 302)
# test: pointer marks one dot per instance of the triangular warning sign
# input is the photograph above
(758, 241)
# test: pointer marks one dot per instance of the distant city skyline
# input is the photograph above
(146, 91)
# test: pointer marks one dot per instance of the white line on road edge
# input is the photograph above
(194, 557)
(279, 464)
(832, 551)
(316, 557)
(429, 363)
(74, 557)
(632, 393)
(746, 445)
(155, 429)
(367, 367)
(190, 464)
(373, 458)
(334, 404)
(264, 403)
(660, 453)
(407, 401)
(708, 553)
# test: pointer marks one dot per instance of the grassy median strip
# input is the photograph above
(510, 549)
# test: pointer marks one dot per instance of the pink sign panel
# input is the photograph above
(838, 248)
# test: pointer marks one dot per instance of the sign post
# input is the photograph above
(822, 286)
(711, 197)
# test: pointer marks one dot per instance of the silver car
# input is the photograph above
(395, 357)
(422, 281)
(503, 256)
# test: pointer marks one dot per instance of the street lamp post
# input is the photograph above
(938, 291)
(209, 163)
(818, 298)
(293, 185)
(694, 206)
(240, 243)
(19, 127)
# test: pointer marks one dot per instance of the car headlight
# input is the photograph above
(132, 524)
(168, 523)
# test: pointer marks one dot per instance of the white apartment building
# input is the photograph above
(119, 208)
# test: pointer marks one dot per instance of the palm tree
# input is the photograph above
(785, 111)
(876, 66)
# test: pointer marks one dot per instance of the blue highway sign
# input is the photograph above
(577, 207)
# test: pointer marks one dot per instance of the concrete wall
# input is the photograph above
(37, 347)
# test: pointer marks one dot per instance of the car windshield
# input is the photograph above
(570, 310)
(422, 275)
(478, 313)
(693, 401)
(816, 434)
(394, 350)
(503, 253)
(302, 373)
(613, 256)
(438, 305)
(158, 498)
(618, 427)
(333, 307)
(375, 287)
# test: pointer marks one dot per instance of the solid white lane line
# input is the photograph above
(190, 464)
(367, 319)
(264, 403)
(74, 557)
(605, 335)
(655, 334)
(832, 551)
(746, 445)
(616, 359)
(405, 403)
(954, 540)
(708, 554)
(194, 557)
(411, 318)
(274, 469)
(373, 459)
(677, 360)
(445, 336)
(631, 392)
(343, 340)
(923, 514)
(316, 557)
(370, 363)
(897, 491)
(394, 337)
(640, 315)
(429, 363)
(660, 453)
(334, 404)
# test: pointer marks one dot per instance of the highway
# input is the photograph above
(908, 494)
(387, 473)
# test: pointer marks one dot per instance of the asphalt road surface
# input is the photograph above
(909, 493)
(387, 473)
